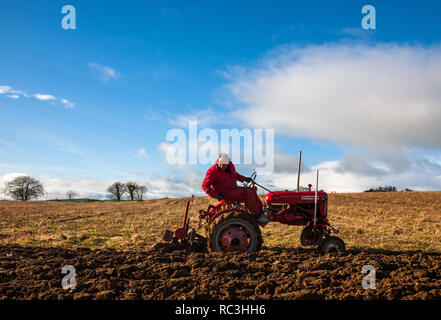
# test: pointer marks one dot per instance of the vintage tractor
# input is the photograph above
(230, 227)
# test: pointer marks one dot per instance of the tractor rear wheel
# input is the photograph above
(331, 244)
(310, 238)
(234, 232)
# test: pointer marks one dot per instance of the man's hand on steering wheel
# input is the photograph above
(250, 180)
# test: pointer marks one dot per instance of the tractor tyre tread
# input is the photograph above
(330, 238)
(230, 215)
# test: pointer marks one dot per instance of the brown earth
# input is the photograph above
(35, 273)
(107, 242)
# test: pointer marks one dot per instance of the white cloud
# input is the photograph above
(379, 103)
(142, 153)
(12, 92)
(84, 186)
(332, 178)
(329, 179)
(179, 181)
(104, 73)
(67, 103)
(10, 176)
(16, 94)
(286, 163)
(375, 96)
(5, 89)
(44, 97)
(164, 146)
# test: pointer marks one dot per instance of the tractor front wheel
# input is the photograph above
(234, 232)
(309, 237)
(331, 244)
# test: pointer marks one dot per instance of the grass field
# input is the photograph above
(395, 221)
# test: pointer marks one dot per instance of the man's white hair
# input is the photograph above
(224, 159)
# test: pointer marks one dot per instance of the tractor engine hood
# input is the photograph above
(295, 197)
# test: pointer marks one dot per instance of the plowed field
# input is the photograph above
(398, 233)
(35, 273)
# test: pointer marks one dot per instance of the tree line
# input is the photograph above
(26, 188)
(385, 189)
(118, 190)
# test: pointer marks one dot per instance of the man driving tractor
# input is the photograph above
(238, 228)
(220, 182)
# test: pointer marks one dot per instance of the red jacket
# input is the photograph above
(217, 181)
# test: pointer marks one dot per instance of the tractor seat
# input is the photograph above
(227, 202)
(221, 204)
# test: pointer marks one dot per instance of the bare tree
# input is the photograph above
(131, 189)
(71, 194)
(117, 190)
(24, 188)
(140, 191)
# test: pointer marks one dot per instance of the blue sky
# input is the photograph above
(82, 108)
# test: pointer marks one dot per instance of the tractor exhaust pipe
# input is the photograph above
(298, 171)
(315, 199)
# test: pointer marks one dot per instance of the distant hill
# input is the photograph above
(75, 200)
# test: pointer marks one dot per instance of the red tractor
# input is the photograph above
(230, 227)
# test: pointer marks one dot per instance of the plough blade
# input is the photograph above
(184, 237)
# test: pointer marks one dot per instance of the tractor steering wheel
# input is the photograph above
(253, 177)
